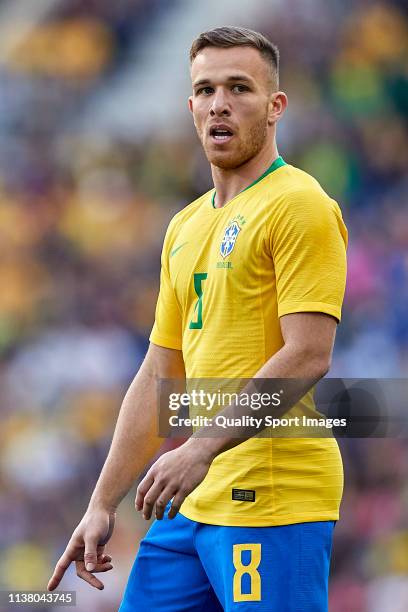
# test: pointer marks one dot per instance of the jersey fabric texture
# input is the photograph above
(227, 275)
(185, 566)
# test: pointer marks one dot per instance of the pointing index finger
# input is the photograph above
(63, 563)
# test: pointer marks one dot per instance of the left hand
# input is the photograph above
(174, 474)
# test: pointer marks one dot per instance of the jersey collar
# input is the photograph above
(279, 161)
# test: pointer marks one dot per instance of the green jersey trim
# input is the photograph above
(279, 161)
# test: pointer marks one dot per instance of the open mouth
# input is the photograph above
(220, 134)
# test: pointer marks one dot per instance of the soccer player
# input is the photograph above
(252, 282)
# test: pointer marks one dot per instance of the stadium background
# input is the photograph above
(97, 152)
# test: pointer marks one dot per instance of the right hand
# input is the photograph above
(86, 547)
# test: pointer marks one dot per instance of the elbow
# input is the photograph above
(309, 361)
(313, 363)
(325, 368)
(321, 365)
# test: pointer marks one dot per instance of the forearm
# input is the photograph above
(135, 440)
(288, 363)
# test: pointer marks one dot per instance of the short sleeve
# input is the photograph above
(308, 241)
(167, 325)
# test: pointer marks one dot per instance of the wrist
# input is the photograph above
(205, 448)
(97, 502)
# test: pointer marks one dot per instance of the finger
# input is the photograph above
(142, 489)
(150, 499)
(103, 567)
(69, 555)
(161, 503)
(176, 504)
(100, 556)
(90, 555)
(83, 573)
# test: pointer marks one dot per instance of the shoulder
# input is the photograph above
(181, 218)
(188, 211)
(297, 205)
(297, 192)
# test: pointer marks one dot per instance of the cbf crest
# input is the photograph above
(230, 236)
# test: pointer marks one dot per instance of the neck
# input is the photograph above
(229, 183)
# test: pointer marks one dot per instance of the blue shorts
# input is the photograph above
(185, 566)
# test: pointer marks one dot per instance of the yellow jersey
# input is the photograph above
(227, 275)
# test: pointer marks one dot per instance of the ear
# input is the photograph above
(277, 105)
(190, 104)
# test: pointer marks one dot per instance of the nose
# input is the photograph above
(220, 104)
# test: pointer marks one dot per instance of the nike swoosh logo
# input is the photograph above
(174, 251)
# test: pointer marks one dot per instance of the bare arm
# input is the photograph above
(305, 355)
(135, 440)
(134, 444)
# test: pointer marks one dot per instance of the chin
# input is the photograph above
(224, 161)
(224, 164)
(229, 160)
(229, 163)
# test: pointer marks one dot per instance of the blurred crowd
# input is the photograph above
(81, 227)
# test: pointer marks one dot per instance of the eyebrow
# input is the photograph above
(235, 77)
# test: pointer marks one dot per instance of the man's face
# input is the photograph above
(232, 90)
